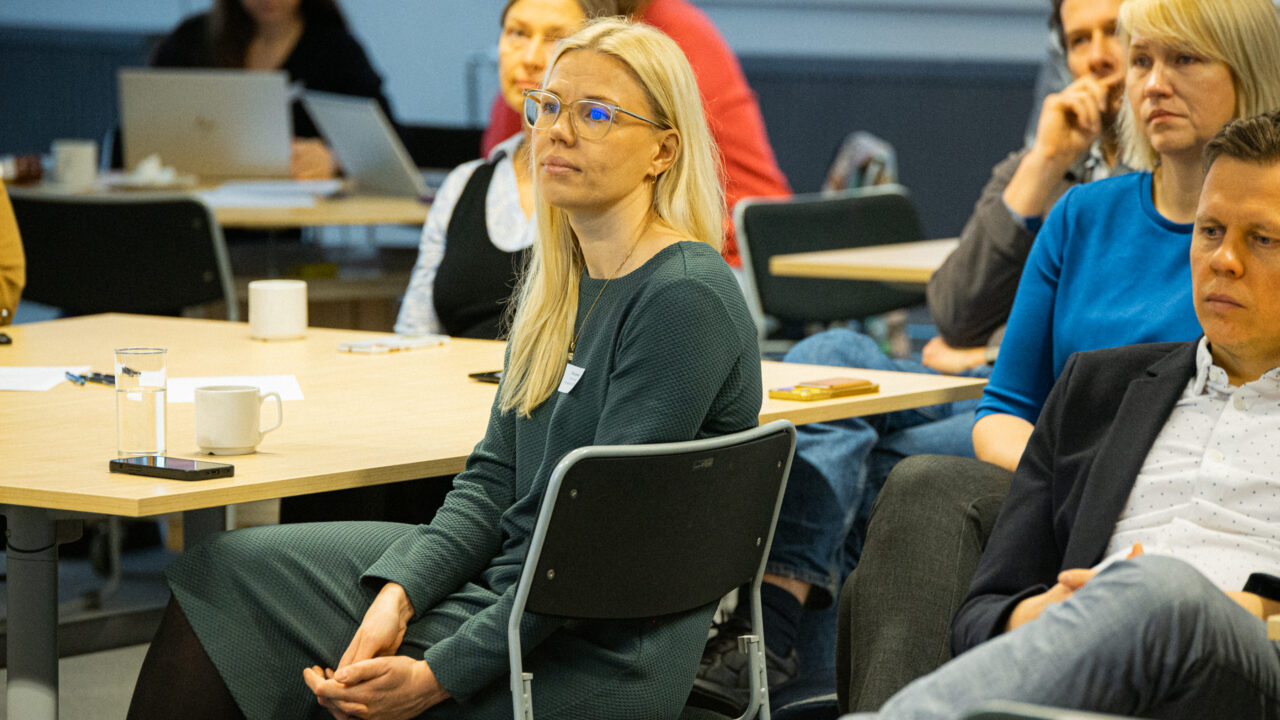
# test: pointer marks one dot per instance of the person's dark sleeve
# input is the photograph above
(347, 70)
(334, 61)
(186, 47)
(436, 559)
(1023, 555)
(971, 294)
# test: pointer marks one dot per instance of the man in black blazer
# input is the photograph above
(1173, 446)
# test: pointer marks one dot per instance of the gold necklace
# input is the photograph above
(574, 342)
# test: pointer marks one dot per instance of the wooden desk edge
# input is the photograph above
(782, 267)
(231, 493)
(801, 413)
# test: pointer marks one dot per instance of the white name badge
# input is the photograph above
(572, 373)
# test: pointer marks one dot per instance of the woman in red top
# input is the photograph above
(750, 169)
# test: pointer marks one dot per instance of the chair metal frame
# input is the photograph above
(701, 453)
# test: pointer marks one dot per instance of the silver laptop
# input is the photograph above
(211, 123)
(372, 156)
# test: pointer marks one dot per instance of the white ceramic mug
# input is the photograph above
(277, 309)
(75, 162)
(228, 417)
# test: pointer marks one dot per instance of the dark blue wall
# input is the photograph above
(949, 123)
(61, 83)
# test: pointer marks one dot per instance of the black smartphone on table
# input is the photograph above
(171, 468)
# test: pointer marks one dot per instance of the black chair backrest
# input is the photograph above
(642, 531)
(438, 146)
(152, 255)
(878, 215)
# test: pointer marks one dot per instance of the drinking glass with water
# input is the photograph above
(140, 401)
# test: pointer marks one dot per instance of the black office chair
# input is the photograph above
(149, 254)
(439, 146)
(647, 530)
(877, 215)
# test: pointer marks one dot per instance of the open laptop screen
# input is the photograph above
(212, 123)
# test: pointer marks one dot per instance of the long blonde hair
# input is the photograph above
(1243, 34)
(687, 197)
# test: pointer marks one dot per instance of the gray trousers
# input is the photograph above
(927, 530)
(1149, 637)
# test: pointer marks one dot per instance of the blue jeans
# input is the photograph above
(1148, 637)
(840, 466)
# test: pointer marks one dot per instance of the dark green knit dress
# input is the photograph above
(669, 354)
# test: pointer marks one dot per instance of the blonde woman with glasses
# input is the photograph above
(481, 222)
(629, 328)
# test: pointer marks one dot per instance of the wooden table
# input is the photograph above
(366, 420)
(347, 210)
(909, 263)
(342, 210)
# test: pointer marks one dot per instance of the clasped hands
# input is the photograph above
(371, 681)
(1070, 581)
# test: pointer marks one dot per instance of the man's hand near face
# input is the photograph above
(1070, 121)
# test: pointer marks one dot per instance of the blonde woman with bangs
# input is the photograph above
(629, 328)
(1109, 266)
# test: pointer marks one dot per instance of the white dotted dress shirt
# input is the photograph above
(1209, 490)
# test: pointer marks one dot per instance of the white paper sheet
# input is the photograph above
(37, 378)
(182, 390)
(270, 193)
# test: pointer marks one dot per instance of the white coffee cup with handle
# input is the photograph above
(277, 309)
(228, 418)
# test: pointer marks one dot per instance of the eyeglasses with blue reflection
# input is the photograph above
(591, 119)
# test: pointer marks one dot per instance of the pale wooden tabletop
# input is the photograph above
(351, 209)
(912, 262)
(366, 420)
(346, 210)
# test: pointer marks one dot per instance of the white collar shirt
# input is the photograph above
(1209, 490)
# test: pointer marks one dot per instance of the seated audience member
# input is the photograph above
(13, 264)
(308, 39)
(1134, 562)
(841, 464)
(971, 294)
(1107, 278)
(626, 281)
(480, 223)
(750, 169)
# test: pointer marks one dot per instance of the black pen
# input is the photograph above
(99, 378)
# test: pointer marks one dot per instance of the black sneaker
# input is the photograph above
(723, 682)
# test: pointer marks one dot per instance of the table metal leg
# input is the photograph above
(32, 624)
(198, 525)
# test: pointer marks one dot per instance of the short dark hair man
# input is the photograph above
(1168, 451)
